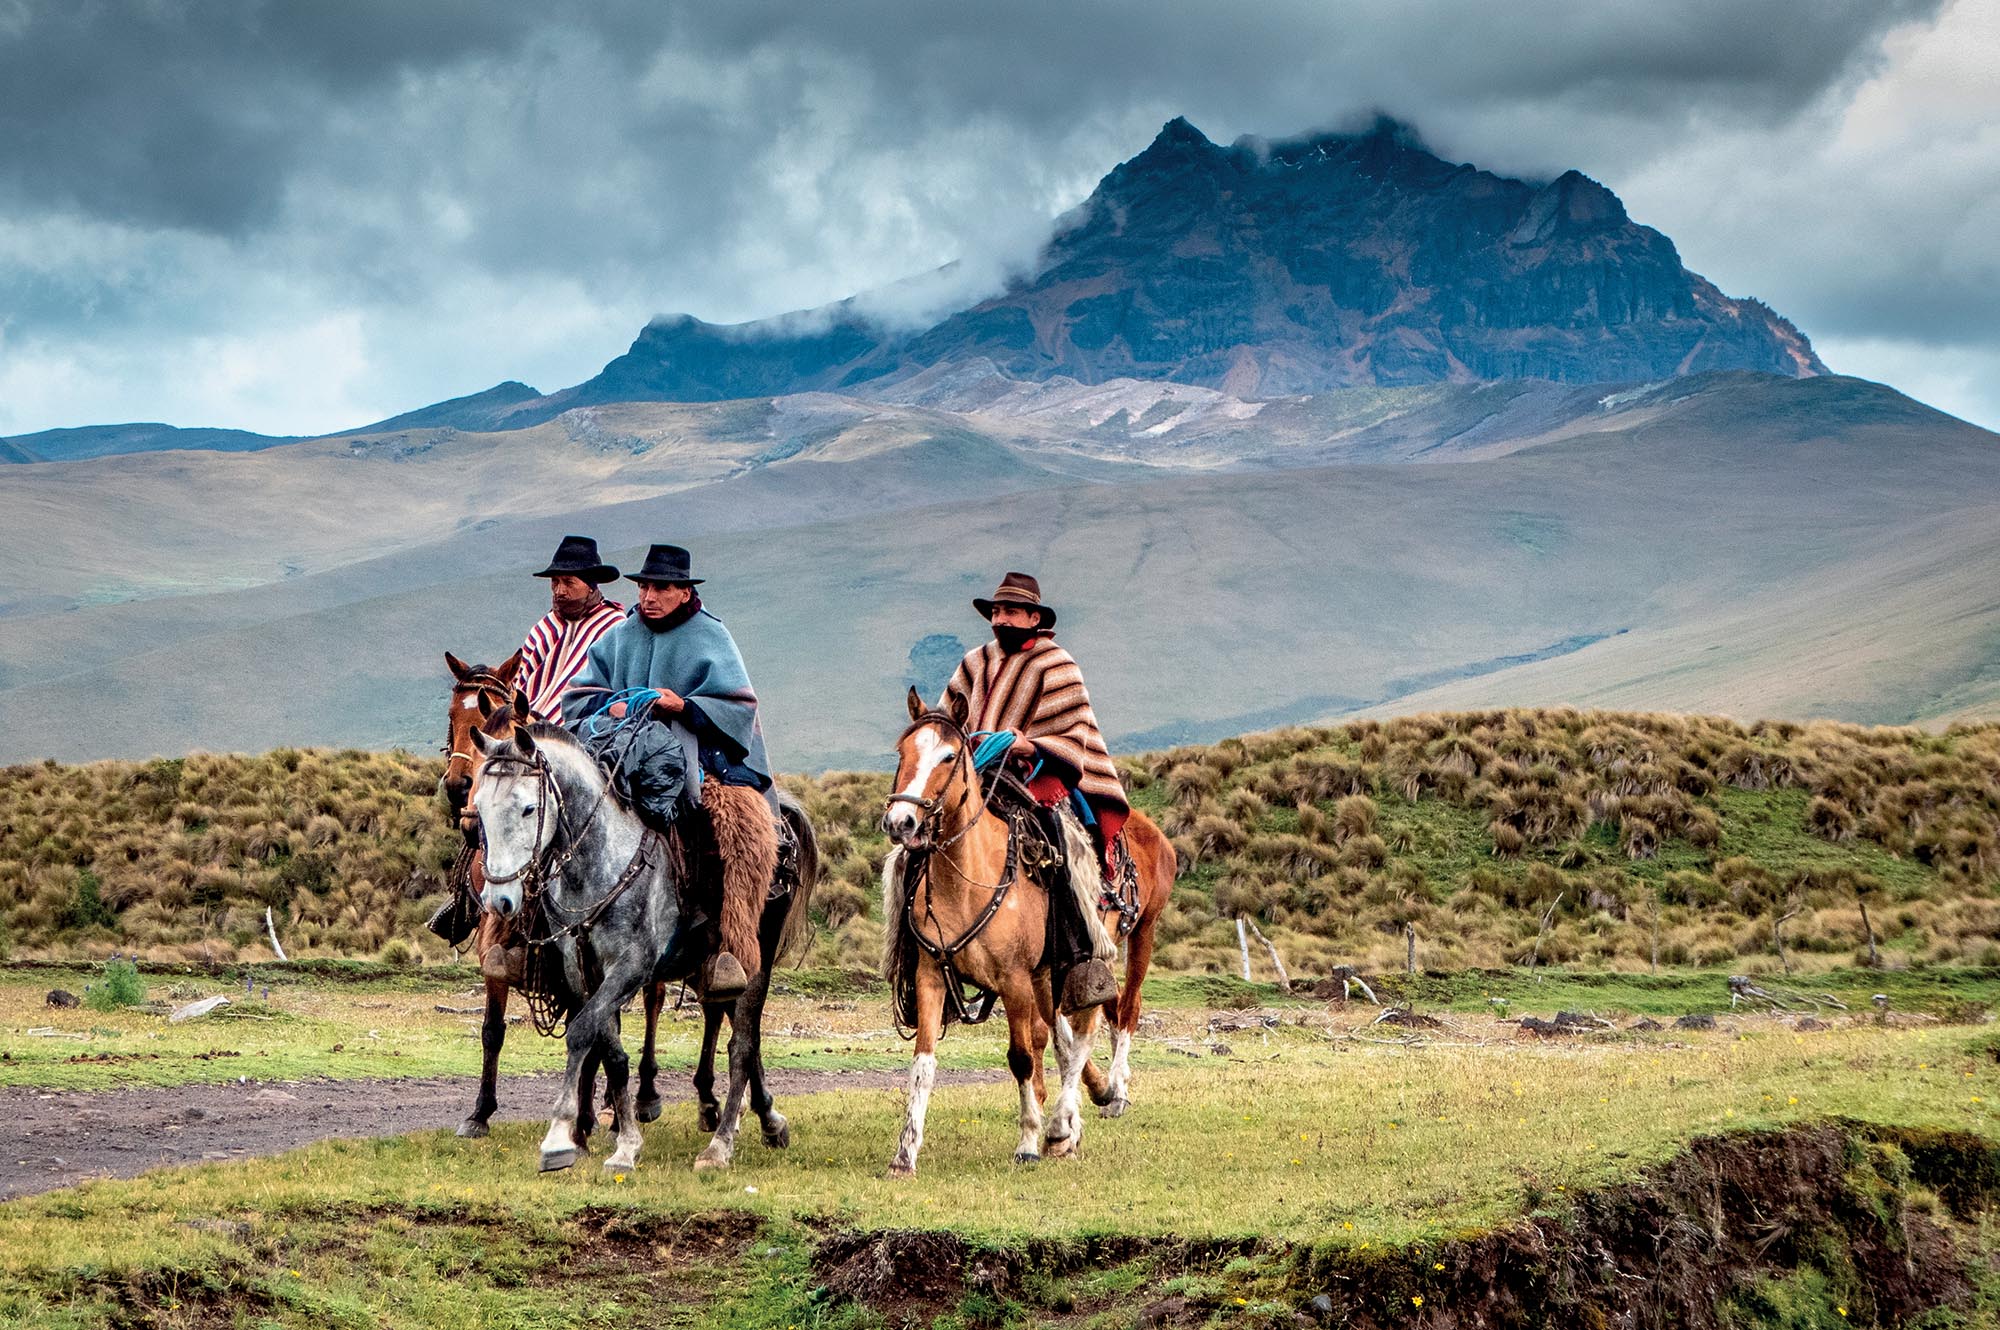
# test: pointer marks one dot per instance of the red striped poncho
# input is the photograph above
(555, 650)
(1038, 693)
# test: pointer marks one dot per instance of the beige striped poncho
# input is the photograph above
(1038, 693)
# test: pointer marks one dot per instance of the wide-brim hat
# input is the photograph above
(1016, 589)
(667, 563)
(577, 557)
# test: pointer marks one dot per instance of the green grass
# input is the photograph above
(1302, 1136)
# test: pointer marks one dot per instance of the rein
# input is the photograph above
(918, 862)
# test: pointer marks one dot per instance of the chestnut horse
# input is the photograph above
(955, 882)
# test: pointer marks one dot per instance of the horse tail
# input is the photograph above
(798, 914)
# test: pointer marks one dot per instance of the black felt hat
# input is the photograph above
(1017, 589)
(667, 563)
(577, 557)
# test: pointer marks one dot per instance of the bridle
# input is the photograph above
(967, 775)
(487, 686)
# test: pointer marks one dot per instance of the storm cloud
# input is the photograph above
(301, 217)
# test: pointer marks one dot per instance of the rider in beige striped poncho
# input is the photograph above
(1023, 682)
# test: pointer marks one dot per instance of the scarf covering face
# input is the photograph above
(1038, 693)
(1012, 639)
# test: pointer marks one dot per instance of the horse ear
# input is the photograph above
(459, 669)
(482, 744)
(509, 668)
(524, 710)
(958, 707)
(524, 741)
(916, 704)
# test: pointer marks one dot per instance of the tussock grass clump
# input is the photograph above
(1630, 832)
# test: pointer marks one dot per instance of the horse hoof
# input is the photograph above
(779, 1139)
(555, 1161)
(472, 1129)
(711, 1117)
(710, 1163)
(617, 1165)
(649, 1109)
(1026, 1157)
(902, 1170)
(1062, 1149)
(1114, 1108)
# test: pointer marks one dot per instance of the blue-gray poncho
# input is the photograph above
(698, 660)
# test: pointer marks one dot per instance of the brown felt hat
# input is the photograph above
(1016, 589)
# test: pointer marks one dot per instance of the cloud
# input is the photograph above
(470, 192)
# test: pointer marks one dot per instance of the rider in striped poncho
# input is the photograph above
(578, 615)
(1023, 682)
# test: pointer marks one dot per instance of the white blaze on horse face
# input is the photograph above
(471, 702)
(902, 821)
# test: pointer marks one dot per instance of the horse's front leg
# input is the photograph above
(777, 1131)
(589, 1028)
(704, 1070)
(1072, 1054)
(923, 1067)
(492, 1035)
(618, 1092)
(721, 1148)
(1025, 1037)
(649, 1063)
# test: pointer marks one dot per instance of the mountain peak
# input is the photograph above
(1180, 130)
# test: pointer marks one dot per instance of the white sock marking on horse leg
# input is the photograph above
(1066, 1118)
(629, 1138)
(1121, 1064)
(1031, 1121)
(923, 1075)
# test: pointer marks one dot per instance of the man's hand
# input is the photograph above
(618, 711)
(669, 704)
(1022, 751)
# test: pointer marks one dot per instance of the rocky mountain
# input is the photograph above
(1269, 269)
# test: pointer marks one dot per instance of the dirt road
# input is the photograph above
(51, 1139)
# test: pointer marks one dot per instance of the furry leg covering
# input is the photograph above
(748, 844)
(893, 940)
(1086, 879)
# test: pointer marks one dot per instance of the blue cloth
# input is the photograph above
(698, 660)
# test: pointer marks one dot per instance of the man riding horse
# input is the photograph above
(578, 615)
(671, 647)
(1023, 682)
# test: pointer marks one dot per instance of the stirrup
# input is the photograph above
(1088, 985)
(723, 978)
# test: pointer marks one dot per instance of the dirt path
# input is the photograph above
(51, 1139)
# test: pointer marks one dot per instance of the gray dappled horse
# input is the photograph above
(610, 907)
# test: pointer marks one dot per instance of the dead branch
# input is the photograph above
(1277, 962)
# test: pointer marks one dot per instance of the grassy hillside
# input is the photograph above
(1712, 842)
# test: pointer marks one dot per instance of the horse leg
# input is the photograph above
(721, 1148)
(1138, 957)
(777, 1131)
(649, 1062)
(923, 1067)
(1065, 1129)
(1025, 1036)
(492, 1034)
(704, 1072)
(586, 1100)
(567, 1132)
(618, 1092)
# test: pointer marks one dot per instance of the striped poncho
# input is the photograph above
(555, 650)
(1038, 693)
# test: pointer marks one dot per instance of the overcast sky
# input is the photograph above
(295, 217)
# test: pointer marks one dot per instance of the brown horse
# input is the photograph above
(483, 700)
(955, 883)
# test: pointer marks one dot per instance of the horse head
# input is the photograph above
(934, 776)
(520, 813)
(477, 692)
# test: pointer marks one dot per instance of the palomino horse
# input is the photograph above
(484, 699)
(959, 872)
(609, 898)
